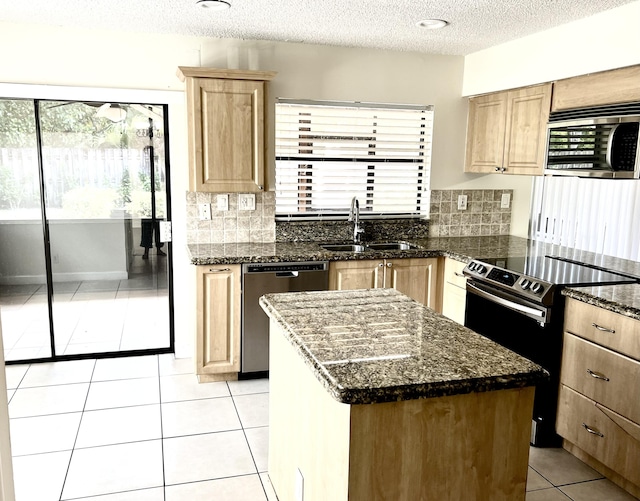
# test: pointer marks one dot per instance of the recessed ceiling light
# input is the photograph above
(213, 4)
(432, 24)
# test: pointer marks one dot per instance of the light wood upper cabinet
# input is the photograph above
(226, 124)
(506, 131)
(218, 322)
(417, 278)
(606, 87)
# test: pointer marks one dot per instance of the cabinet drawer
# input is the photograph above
(602, 375)
(608, 437)
(606, 328)
(453, 273)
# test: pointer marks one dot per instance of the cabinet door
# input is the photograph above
(526, 130)
(454, 302)
(485, 132)
(226, 119)
(218, 320)
(349, 275)
(606, 87)
(417, 278)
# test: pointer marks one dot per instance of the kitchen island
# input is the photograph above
(376, 397)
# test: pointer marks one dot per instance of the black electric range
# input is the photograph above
(516, 301)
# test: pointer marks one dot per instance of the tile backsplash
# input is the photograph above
(483, 215)
(233, 225)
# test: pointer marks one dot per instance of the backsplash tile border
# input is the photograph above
(483, 217)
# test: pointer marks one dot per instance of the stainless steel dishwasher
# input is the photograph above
(265, 278)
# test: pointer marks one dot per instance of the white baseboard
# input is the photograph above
(65, 277)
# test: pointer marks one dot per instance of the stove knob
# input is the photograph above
(472, 266)
(536, 287)
(480, 269)
(524, 283)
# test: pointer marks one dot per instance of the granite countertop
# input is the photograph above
(459, 248)
(622, 299)
(372, 346)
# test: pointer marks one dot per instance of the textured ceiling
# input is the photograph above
(383, 24)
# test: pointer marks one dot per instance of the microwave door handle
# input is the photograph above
(520, 308)
(610, 141)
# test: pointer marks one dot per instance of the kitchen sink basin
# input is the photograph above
(391, 246)
(345, 248)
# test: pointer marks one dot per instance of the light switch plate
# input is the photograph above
(165, 231)
(247, 201)
(462, 202)
(222, 202)
(204, 211)
(505, 201)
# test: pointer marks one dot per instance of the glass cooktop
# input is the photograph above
(558, 271)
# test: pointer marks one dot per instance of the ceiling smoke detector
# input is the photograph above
(432, 24)
(213, 4)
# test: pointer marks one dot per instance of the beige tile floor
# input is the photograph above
(143, 429)
(89, 316)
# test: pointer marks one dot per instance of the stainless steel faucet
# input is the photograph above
(354, 215)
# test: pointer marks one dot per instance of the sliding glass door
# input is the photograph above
(23, 271)
(100, 273)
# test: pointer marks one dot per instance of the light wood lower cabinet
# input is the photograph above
(599, 403)
(218, 322)
(612, 440)
(451, 448)
(417, 278)
(454, 290)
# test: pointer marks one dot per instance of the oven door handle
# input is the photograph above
(512, 305)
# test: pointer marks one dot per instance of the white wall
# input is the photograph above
(602, 42)
(92, 58)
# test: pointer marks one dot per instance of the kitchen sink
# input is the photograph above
(391, 246)
(345, 248)
(368, 247)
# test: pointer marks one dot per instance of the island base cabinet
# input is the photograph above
(470, 446)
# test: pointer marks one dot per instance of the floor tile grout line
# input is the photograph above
(246, 439)
(86, 398)
(164, 473)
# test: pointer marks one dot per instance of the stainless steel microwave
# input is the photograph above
(593, 146)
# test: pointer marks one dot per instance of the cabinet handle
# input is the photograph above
(597, 375)
(603, 329)
(497, 169)
(380, 265)
(389, 265)
(592, 431)
(260, 187)
(458, 274)
(501, 169)
(218, 270)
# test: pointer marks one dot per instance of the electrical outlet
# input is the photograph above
(247, 201)
(222, 202)
(462, 202)
(205, 212)
(505, 201)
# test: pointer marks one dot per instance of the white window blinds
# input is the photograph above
(597, 215)
(328, 152)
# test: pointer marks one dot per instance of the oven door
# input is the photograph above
(533, 331)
